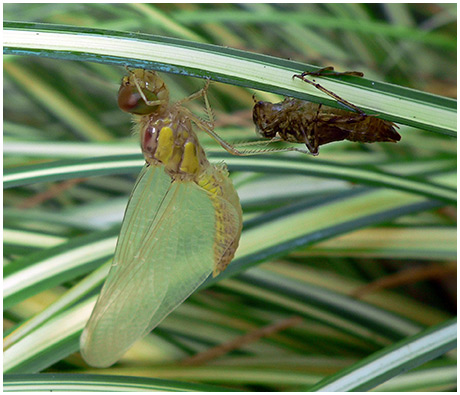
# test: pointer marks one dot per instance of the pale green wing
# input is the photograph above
(201, 247)
(150, 188)
(128, 277)
(165, 251)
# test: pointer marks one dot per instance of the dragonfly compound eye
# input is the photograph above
(130, 100)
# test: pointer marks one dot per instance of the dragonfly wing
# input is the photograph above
(165, 251)
(210, 226)
(150, 188)
(129, 280)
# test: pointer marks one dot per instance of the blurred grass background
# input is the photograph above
(403, 263)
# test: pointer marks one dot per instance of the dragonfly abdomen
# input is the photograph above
(224, 198)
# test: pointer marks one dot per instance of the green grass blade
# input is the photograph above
(396, 359)
(322, 22)
(414, 108)
(62, 170)
(67, 169)
(424, 243)
(67, 300)
(47, 268)
(57, 104)
(29, 239)
(430, 379)
(359, 243)
(51, 342)
(324, 219)
(97, 383)
(349, 315)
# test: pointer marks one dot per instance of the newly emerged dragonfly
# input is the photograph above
(182, 223)
(312, 124)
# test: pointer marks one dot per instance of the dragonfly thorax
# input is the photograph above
(170, 141)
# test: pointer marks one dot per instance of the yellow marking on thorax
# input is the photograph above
(190, 162)
(165, 146)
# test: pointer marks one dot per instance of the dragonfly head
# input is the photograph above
(142, 92)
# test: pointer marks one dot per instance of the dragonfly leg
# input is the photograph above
(230, 148)
(265, 143)
(263, 151)
(208, 108)
(203, 92)
(329, 71)
(262, 143)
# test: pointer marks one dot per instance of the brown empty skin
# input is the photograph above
(313, 124)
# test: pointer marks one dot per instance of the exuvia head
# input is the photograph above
(142, 92)
(263, 117)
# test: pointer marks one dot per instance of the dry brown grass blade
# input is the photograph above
(405, 277)
(240, 341)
